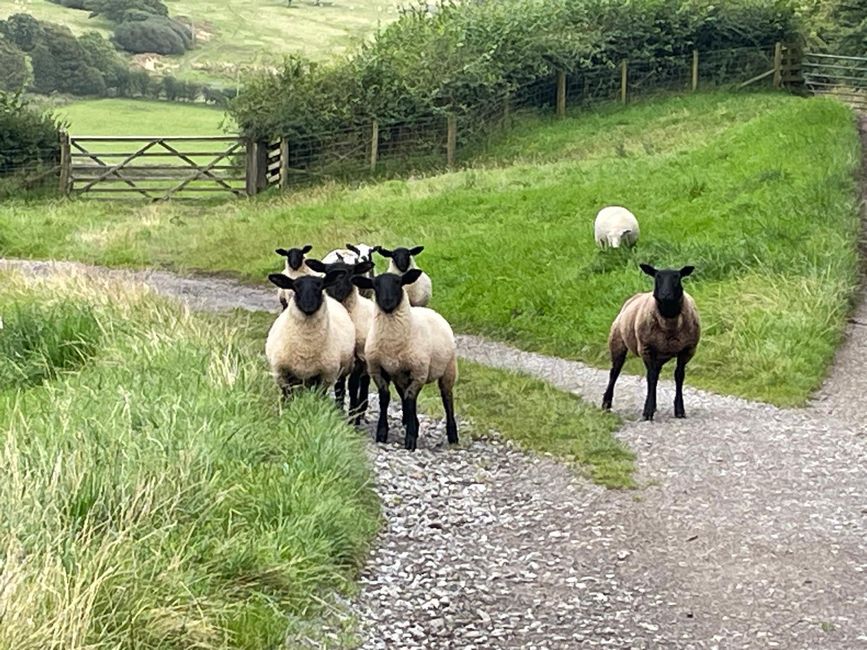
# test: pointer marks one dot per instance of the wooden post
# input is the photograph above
(778, 65)
(561, 93)
(65, 163)
(374, 145)
(284, 163)
(252, 167)
(623, 80)
(694, 70)
(452, 139)
(262, 165)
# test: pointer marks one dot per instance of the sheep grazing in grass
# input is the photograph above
(614, 226)
(656, 326)
(295, 268)
(401, 261)
(411, 346)
(360, 310)
(312, 342)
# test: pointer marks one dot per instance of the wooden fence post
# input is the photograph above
(374, 145)
(452, 139)
(262, 165)
(284, 163)
(65, 163)
(561, 93)
(694, 70)
(623, 80)
(250, 166)
(778, 65)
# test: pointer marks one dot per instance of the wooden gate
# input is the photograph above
(158, 168)
(843, 77)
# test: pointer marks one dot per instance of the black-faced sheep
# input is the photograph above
(312, 341)
(656, 326)
(401, 261)
(295, 268)
(360, 310)
(411, 346)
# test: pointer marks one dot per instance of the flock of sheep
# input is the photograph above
(342, 324)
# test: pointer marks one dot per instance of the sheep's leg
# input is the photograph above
(401, 394)
(410, 415)
(340, 393)
(288, 385)
(446, 384)
(384, 397)
(617, 361)
(653, 367)
(354, 376)
(679, 375)
(363, 391)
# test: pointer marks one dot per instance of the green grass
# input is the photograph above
(141, 117)
(756, 190)
(541, 418)
(233, 35)
(154, 494)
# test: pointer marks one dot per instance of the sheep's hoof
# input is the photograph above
(382, 436)
(680, 414)
(647, 417)
(606, 405)
(409, 444)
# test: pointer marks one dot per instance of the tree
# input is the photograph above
(849, 27)
(13, 63)
(23, 30)
(117, 10)
(156, 34)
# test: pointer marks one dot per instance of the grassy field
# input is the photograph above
(154, 494)
(232, 34)
(757, 191)
(141, 117)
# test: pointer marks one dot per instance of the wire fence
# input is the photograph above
(387, 149)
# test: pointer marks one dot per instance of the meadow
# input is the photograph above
(141, 117)
(756, 190)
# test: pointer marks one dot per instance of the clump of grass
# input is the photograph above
(159, 497)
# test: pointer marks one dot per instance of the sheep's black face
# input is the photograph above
(387, 287)
(294, 256)
(402, 257)
(343, 286)
(667, 288)
(308, 294)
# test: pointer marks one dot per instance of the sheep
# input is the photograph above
(295, 268)
(361, 311)
(312, 341)
(615, 224)
(401, 261)
(656, 326)
(411, 346)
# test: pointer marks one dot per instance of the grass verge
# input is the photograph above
(154, 494)
(757, 191)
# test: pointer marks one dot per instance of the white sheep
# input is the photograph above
(657, 327)
(294, 268)
(615, 225)
(361, 312)
(312, 341)
(401, 261)
(411, 346)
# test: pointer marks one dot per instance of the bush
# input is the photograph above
(117, 10)
(13, 62)
(465, 55)
(156, 34)
(29, 142)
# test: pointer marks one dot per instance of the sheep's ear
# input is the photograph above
(354, 249)
(281, 280)
(333, 277)
(384, 251)
(282, 251)
(686, 270)
(362, 282)
(307, 249)
(415, 251)
(648, 269)
(362, 267)
(316, 265)
(410, 276)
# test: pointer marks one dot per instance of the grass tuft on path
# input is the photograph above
(154, 494)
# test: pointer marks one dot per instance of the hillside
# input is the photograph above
(235, 34)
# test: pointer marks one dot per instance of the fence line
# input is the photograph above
(149, 167)
(842, 77)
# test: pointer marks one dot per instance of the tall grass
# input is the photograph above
(154, 494)
(757, 191)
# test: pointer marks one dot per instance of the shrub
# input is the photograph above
(13, 62)
(156, 34)
(118, 10)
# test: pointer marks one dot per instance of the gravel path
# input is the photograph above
(750, 530)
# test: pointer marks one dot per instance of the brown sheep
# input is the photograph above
(657, 327)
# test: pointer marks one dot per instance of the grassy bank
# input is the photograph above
(154, 494)
(757, 191)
